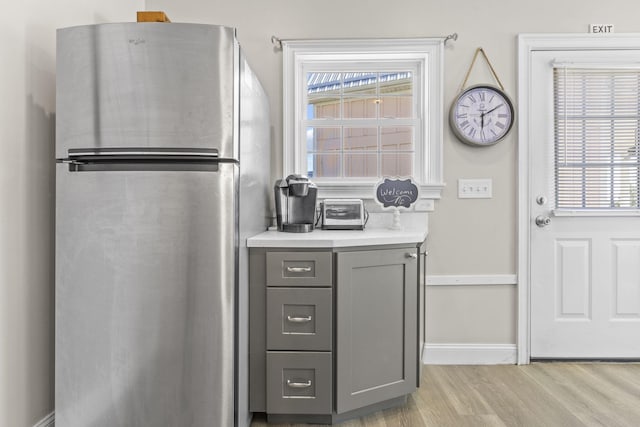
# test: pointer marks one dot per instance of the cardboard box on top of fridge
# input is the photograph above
(152, 16)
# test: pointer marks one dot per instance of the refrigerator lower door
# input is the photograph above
(145, 297)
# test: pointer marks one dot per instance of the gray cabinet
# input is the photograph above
(422, 303)
(299, 332)
(376, 320)
(333, 332)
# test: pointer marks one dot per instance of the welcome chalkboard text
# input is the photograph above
(397, 193)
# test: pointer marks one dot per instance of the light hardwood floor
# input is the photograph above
(540, 394)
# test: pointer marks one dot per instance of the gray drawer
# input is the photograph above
(298, 382)
(299, 269)
(299, 319)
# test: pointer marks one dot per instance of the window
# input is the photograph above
(597, 138)
(358, 110)
(360, 125)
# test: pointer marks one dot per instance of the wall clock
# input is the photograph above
(481, 115)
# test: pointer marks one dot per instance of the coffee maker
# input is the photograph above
(295, 204)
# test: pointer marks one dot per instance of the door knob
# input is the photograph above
(542, 221)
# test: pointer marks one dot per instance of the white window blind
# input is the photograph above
(597, 117)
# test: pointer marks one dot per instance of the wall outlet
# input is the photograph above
(475, 188)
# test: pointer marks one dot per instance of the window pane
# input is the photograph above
(360, 83)
(396, 107)
(358, 165)
(323, 108)
(328, 83)
(323, 95)
(323, 139)
(323, 165)
(360, 108)
(398, 138)
(397, 164)
(396, 82)
(396, 95)
(361, 139)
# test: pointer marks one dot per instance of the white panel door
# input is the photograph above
(585, 266)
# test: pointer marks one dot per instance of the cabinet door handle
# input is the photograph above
(411, 255)
(295, 384)
(299, 269)
(299, 319)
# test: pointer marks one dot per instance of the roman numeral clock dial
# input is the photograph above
(481, 115)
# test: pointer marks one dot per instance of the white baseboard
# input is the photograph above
(469, 354)
(48, 421)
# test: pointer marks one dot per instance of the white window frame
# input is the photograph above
(424, 56)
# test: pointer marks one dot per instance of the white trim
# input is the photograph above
(428, 53)
(48, 421)
(462, 280)
(368, 191)
(469, 354)
(527, 43)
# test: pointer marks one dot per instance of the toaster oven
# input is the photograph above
(343, 214)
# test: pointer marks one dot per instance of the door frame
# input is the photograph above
(527, 44)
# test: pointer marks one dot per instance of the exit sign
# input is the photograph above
(601, 28)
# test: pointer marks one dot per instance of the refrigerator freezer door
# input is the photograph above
(145, 297)
(146, 85)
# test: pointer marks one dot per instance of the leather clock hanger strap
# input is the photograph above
(493, 71)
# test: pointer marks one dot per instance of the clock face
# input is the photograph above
(481, 115)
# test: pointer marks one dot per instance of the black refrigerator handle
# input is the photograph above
(80, 155)
(105, 159)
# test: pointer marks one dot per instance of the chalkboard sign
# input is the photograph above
(396, 193)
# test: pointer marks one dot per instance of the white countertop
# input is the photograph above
(336, 238)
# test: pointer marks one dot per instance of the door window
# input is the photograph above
(597, 134)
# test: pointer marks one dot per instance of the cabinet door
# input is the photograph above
(376, 324)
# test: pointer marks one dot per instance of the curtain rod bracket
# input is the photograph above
(276, 42)
(453, 37)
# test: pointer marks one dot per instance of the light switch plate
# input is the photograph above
(475, 188)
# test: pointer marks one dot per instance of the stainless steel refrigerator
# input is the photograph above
(162, 146)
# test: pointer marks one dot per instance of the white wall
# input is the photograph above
(27, 132)
(468, 237)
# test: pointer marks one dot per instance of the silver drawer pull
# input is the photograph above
(299, 319)
(296, 384)
(410, 255)
(299, 269)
